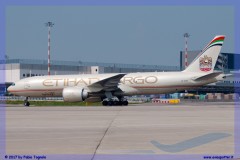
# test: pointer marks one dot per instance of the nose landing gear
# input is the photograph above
(26, 102)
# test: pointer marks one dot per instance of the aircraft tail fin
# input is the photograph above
(206, 60)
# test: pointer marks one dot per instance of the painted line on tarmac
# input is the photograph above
(190, 143)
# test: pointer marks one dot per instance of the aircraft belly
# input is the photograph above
(156, 90)
(40, 94)
(147, 91)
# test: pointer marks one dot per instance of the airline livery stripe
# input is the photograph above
(220, 39)
(36, 90)
(215, 42)
(217, 39)
(149, 87)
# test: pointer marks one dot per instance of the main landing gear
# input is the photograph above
(26, 102)
(114, 102)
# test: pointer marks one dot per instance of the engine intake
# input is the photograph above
(74, 94)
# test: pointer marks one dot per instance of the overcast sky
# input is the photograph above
(115, 34)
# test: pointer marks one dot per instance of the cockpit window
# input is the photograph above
(13, 84)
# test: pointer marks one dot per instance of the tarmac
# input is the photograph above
(156, 129)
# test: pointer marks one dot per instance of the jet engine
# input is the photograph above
(74, 94)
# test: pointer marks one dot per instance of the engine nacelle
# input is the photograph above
(74, 94)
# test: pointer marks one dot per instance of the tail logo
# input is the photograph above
(205, 63)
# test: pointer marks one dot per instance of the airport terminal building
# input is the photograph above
(226, 61)
(17, 69)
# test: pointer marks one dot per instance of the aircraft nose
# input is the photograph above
(9, 89)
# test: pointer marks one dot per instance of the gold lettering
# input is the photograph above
(151, 79)
(47, 82)
(57, 81)
(80, 81)
(72, 81)
(127, 79)
(75, 81)
(137, 80)
(65, 82)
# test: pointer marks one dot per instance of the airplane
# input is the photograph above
(110, 89)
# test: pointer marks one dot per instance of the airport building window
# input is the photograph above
(228, 82)
(23, 75)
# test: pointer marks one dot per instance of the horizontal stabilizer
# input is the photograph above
(207, 77)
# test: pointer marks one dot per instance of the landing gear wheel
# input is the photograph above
(110, 103)
(115, 103)
(104, 103)
(125, 103)
(26, 103)
(120, 103)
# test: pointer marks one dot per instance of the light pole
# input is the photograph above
(186, 36)
(49, 25)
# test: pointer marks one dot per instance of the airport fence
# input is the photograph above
(20, 98)
(130, 99)
(209, 100)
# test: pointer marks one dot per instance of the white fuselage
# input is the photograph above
(130, 84)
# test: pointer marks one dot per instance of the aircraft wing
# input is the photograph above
(107, 84)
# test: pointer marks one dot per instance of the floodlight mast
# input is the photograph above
(186, 36)
(49, 25)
